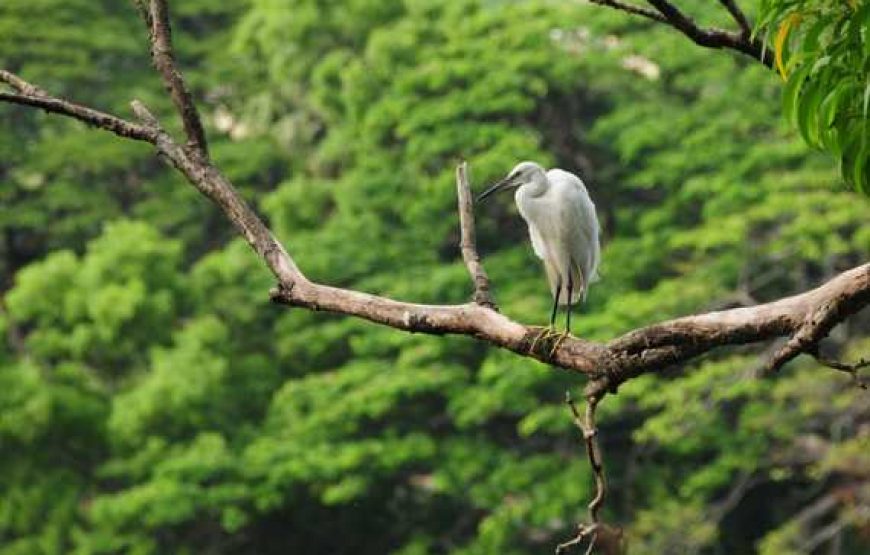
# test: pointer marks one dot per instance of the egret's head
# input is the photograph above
(522, 174)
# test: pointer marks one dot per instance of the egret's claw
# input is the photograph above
(558, 342)
(542, 337)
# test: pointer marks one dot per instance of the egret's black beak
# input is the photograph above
(505, 183)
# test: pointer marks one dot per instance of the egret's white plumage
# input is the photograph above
(563, 226)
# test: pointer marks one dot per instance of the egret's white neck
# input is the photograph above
(537, 184)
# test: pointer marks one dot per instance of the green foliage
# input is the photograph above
(153, 400)
(823, 52)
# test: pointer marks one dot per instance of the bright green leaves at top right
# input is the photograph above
(822, 51)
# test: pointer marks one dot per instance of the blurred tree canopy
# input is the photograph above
(152, 400)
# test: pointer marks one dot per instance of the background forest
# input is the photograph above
(153, 401)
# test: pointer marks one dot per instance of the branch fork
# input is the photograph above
(665, 12)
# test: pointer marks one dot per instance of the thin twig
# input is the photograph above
(851, 369)
(738, 16)
(607, 538)
(162, 55)
(632, 9)
(468, 240)
(590, 436)
(40, 99)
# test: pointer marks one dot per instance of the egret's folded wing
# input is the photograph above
(537, 242)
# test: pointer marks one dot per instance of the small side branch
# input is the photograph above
(602, 537)
(851, 369)
(20, 85)
(35, 97)
(738, 16)
(157, 19)
(632, 9)
(816, 325)
(468, 240)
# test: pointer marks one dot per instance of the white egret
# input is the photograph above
(563, 227)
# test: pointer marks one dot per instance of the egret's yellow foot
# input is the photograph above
(561, 337)
(542, 337)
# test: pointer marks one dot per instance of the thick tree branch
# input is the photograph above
(710, 37)
(648, 349)
(804, 319)
(468, 239)
(156, 16)
(209, 181)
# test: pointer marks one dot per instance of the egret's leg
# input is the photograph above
(567, 330)
(570, 306)
(556, 303)
(549, 330)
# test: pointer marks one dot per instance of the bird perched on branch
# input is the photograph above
(563, 227)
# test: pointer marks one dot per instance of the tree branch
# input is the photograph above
(804, 318)
(632, 9)
(603, 537)
(156, 16)
(851, 369)
(468, 240)
(738, 16)
(33, 96)
(710, 37)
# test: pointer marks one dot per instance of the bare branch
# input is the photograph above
(738, 16)
(209, 181)
(712, 37)
(644, 350)
(590, 436)
(163, 57)
(808, 316)
(20, 85)
(817, 323)
(660, 345)
(468, 240)
(667, 13)
(851, 369)
(35, 97)
(632, 9)
(837, 365)
(605, 538)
